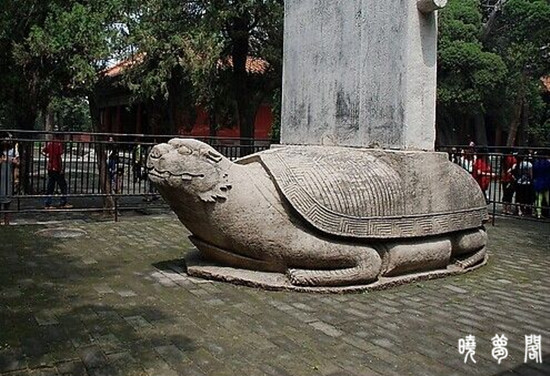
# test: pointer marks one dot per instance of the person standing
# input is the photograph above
(508, 182)
(56, 175)
(466, 160)
(137, 159)
(9, 158)
(541, 183)
(523, 171)
(115, 167)
(482, 172)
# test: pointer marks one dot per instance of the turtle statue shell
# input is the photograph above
(366, 193)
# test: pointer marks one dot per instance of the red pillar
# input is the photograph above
(118, 119)
(139, 119)
(107, 118)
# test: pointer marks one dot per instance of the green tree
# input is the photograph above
(51, 49)
(519, 31)
(69, 114)
(468, 75)
(492, 54)
(196, 53)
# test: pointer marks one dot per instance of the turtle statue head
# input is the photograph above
(191, 168)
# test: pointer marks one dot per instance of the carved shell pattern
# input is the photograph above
(367, 194)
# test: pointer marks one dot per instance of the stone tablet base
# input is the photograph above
(198, 267)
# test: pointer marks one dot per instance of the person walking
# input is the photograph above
(508, 182)
(56, 175)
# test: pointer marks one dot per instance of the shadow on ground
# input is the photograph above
(66, 308)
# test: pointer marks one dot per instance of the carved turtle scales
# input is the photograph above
(363, 193)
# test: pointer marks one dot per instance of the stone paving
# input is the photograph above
(106, 304)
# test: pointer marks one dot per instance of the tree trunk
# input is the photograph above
(518, 107)
(95, 114)
(182, 108)
(480, 129)
(488, 26)
(154, 112)
(48, 120)
(524, 125)
(101, 155)
(212, 122)
(240, 41)
(498, 133)
(463, 134)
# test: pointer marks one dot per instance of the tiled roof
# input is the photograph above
(254, 65)
(117, 69)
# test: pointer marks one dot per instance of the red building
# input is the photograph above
(119, 115)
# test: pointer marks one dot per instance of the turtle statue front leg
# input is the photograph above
(359, 265)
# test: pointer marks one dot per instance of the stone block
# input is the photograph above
(359, 73)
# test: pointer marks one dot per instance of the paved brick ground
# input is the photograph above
(105, 304)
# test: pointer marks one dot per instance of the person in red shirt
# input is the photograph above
(56, 175)
(482, 172)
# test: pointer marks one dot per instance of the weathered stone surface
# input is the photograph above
(365, 193)
(466, 243)
(360, 73)
(413, 256)
(198, 266)
(314, 214)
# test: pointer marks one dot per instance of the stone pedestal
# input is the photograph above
(323, 217)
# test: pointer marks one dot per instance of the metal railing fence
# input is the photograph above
(102, 169)
(515, 181)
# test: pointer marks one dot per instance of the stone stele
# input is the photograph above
(360, 73)
(320, 216)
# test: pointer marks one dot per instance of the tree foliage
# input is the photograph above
(469, 75)
(492, 55)
(52, 49)
(195, 52)
(70, 114)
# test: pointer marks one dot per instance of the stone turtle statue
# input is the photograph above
(324, 216)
